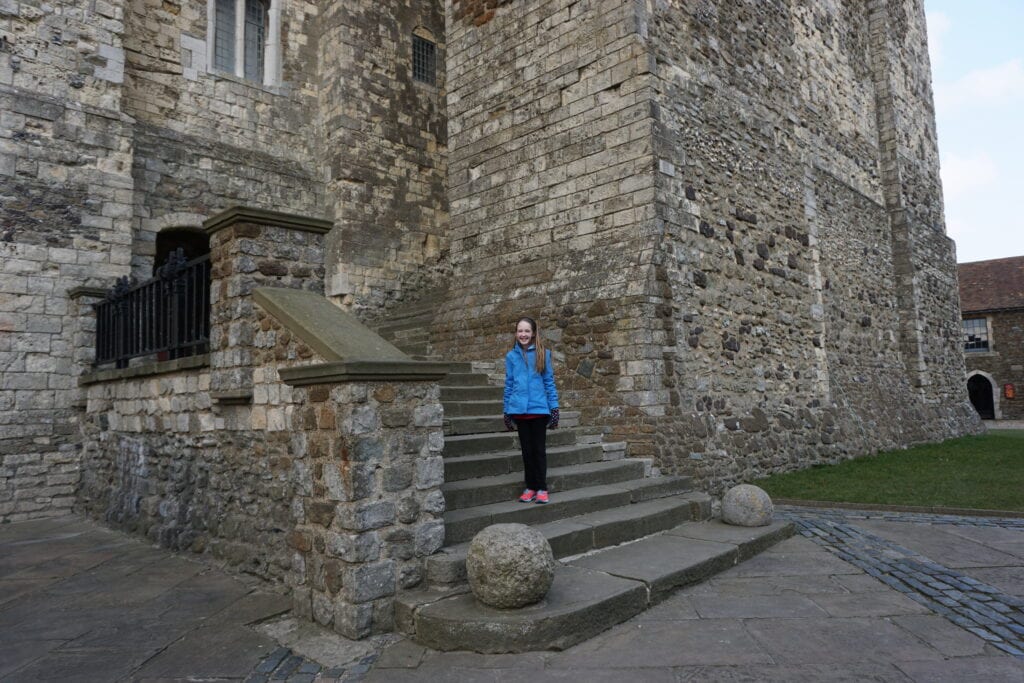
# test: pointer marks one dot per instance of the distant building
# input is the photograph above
(992, 306)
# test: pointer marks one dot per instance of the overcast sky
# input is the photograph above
(977, 55)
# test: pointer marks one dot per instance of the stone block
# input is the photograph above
(370, 581)
(429, 537)
(365, 516)
(353, 621)
(429, 472)
(364, 547)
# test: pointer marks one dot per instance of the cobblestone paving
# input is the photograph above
(980, 608)
(288, 667)
(840, 515)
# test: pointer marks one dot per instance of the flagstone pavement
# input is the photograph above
(854, 596)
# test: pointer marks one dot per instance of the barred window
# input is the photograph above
(975, 334)
(424, 60)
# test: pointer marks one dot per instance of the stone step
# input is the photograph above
(461, 525)
(505, 487)
(466, 379)
(404, 332)
(474, 444)
(472, 408)
(427, 304)
(589, 594)
(417, 322)
(484, 424)
(473, 393)
(584, 533)
(492, 464)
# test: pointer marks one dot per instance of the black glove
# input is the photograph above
(553, 421)
(510, 424)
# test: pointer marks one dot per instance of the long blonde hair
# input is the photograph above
(541, 353)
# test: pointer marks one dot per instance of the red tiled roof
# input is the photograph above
(992, 285)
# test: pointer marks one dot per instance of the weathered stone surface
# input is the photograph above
(510, 565)
(747, 505)
(579, 605)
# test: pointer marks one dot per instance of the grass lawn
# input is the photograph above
(981, 472)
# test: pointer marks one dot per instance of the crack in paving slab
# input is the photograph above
(983, 610)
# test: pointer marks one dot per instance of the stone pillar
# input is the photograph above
(364, 424)
(371, 509)
(251, 248)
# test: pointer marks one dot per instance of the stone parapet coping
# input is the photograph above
(333, 333)
(146, 369)
(364, 371)
(879, 507)
(249, 214)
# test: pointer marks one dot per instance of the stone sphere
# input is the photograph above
(747, 505)
(510, 565)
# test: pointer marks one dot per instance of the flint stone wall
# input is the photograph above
(767, 284)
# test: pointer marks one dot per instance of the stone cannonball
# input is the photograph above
(510, 565)
(747, 505)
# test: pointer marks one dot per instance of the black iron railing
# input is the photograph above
(167, 316)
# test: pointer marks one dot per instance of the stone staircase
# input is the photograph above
(625, 539)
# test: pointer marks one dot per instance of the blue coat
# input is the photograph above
(528, 392)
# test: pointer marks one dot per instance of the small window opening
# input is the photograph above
(424, 60)
(240, 35)
(255, 36)
(224, 36)
(975, 334)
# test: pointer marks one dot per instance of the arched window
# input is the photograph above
(245, 38)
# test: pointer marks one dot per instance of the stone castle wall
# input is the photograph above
(793, 282)
(384, 151)
(205, 141)
(114, 127)
(727, 217)
(551, 182)
(65, 222)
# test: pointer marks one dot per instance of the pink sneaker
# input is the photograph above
(529, 495)
(542, 497)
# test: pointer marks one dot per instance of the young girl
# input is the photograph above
(531, 405)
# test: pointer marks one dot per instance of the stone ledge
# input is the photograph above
(364, 371)
(146, 369)
(234, 397)
(94, 292)
(278, 219)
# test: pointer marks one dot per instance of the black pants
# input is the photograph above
(532, 438)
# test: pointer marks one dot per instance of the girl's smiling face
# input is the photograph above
(524, 333)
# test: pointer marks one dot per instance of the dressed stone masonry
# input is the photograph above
(727, 218)
(331, 486)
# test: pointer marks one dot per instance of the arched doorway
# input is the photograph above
(193, 242)
(980, 390)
